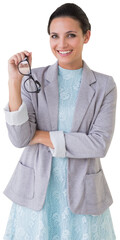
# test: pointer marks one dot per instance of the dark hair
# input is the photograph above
(73, 11)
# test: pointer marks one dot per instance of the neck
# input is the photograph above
(71, 66)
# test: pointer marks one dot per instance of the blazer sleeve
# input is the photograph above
(95, 144)
(21, 124)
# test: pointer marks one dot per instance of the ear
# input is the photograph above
(87, 36)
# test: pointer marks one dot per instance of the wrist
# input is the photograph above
(42, 137)
(15, 99)
(14, 83)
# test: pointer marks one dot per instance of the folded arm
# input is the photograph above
(81, 145)
(73, 144)
(97, 141)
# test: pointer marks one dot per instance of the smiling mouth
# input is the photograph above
(64, 53)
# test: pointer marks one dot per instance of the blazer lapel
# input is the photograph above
(85, 96)
(52, 94)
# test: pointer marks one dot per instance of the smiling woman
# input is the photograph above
(58, 189)
(67, 43)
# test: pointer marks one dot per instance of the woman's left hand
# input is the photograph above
(42, 137)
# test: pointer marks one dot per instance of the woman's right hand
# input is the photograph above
(15, 79)
(13, 72)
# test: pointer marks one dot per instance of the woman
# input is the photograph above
(58, 188)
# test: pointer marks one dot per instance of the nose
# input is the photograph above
(62, 44)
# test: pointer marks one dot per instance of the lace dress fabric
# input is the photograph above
(56, 221)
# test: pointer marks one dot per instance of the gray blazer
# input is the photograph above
(88, 141)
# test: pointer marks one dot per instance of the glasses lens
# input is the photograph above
(24, 68)
(32, 86)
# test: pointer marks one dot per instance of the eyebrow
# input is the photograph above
(66, 32)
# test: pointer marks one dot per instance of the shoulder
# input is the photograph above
(99, 81)
(104, 80)
(102, 77)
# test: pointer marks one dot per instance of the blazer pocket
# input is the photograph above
(23, 181)
(95, 188)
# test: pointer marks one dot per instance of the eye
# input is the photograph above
(71, 35)
(54, 36)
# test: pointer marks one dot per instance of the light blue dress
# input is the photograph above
(56, 221)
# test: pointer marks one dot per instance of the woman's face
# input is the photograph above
(66, 41)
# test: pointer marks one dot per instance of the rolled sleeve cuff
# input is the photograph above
(16, 117)
(58, 141)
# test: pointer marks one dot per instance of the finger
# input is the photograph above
(16, 58)
(27, 53)
(30, 59)
(20, 56)
(13, 60)
(19, 59)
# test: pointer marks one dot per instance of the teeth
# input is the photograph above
(64, 52)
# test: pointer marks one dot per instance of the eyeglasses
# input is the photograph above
(31, 85)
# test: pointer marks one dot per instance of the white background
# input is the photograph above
(23, 26)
